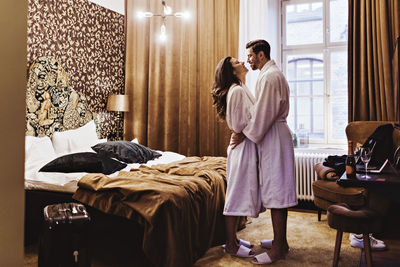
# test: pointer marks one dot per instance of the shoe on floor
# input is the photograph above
(243, 252)
(266, 243)
(262, 258)
(356, 241)
(245, 243)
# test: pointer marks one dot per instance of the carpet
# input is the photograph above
(311, 243)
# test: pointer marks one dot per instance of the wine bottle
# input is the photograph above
(350, 162)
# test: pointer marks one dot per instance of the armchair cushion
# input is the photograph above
(334, 193)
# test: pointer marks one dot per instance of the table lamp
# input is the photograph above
(119, 104)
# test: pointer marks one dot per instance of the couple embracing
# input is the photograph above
(260, 162)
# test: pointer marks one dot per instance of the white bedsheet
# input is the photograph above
(57, 178)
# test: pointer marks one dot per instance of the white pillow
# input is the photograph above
(38, 149)
(76, 140)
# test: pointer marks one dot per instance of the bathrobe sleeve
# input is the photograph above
(237, 110)
(268, 108)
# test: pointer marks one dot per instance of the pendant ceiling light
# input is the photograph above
(167, 12)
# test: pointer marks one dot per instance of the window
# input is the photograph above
(314, 60)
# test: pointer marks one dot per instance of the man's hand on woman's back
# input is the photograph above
(236, 139)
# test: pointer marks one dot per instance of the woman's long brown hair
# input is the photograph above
(224, 78)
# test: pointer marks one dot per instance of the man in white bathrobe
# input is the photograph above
(269, 130)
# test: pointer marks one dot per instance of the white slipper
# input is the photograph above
(262, 258)
(266, 243)
(245, 243)
(243, 252)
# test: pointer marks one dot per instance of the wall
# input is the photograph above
(115, 5)
(12, 118)
(89, 40)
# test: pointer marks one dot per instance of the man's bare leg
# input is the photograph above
(231, 246)
(280, 245)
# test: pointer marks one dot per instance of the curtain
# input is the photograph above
(266, 14)
(169, 83)
(373, 28)
(396, 80)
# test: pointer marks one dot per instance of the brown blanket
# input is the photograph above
(179, 205)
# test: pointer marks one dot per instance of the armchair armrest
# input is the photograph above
(325, 173)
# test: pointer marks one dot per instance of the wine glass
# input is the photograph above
(365, 155)
(357, 153)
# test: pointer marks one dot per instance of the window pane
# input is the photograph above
(305, 67)
(292, 87)
(317, 131)
(339, 117)
(303, 112)
(304, 23)
(290, 118)
(318, 88)
(303, 88)
(291, 74)
(338, 75)
(338, 20)
(318, 69)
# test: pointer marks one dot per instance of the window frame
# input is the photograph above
(325, 48)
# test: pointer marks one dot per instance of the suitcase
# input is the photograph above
(64, 239)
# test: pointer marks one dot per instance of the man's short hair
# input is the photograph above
(260, 45)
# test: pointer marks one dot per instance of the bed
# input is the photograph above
(148, 207)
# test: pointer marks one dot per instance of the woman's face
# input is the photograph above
(238, 67)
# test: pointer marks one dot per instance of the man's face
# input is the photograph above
(252, 59)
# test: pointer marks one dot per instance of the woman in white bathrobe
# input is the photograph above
(234, 101)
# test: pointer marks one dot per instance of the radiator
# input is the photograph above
(305, 174)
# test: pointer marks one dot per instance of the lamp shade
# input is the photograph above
(118, 103)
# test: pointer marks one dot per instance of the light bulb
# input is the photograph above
(185, 15)
(167, 10)
(163, 29)
(141, 14)
(163, 33)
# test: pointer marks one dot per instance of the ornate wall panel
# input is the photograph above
(89, 42)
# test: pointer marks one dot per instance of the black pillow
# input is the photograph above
(126, 151)
(83, 162)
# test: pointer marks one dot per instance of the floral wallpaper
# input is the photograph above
(89, 42)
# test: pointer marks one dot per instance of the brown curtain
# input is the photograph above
(373, 28)
(396, 80)
(169, 83)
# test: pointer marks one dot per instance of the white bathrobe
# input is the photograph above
(242, 193)
(268, 128)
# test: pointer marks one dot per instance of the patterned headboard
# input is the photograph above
(52, 105)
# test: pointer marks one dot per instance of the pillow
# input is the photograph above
(38, 149)
(83, 162)
(126, 151)
(76, 140)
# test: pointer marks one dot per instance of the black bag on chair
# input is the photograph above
(381, 141)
